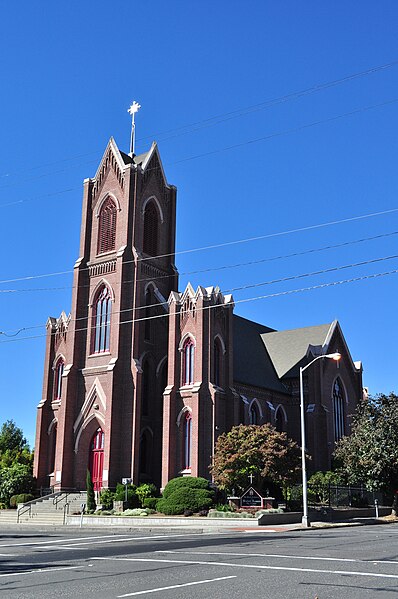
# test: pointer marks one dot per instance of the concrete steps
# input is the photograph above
(50, 510)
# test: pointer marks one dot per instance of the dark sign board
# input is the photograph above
(251, 498)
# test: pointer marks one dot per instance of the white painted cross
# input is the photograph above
(251, 478)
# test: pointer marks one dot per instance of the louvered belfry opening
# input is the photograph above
(107, 227)
(151, 227)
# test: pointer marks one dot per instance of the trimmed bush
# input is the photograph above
(185, 498)
(192, 482)
(150, 503)
(24, 498)
(216, 514)
(13, 501)
(106, 499)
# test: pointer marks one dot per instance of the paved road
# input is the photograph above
(335, 563)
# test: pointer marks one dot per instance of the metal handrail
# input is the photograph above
(23, 510)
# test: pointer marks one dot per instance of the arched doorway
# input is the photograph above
(96, 461)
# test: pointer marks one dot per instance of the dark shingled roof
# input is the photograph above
(252, 364)
(288, 348)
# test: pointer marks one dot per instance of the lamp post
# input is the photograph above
(336, 357)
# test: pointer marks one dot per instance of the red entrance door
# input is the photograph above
(97, 459)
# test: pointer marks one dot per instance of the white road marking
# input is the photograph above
(176, 586)
(258, 567)
(41, 571)
(326, 559)
(124, 540)
(103, 539)
(60, 541)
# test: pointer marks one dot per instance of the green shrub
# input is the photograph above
(24, 497)
(185, 498)
(223, 507)
(191, 482)
(145, 491)
(132, 499)
(3, 506)
(14, 480)
(150, 503)
(91, 505)
(136, 512)
(216, 514)
(106, 499)
(13, 501)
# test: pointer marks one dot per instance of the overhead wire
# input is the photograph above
(234, 113)
(240, 301)
(220, 245)
(200, 271)
(234, 289)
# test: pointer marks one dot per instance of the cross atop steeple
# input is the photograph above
(132, 110)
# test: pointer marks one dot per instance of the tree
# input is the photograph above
(11, 437)
(257, 450)
(91, 504)
(14, 480)
(370, 454)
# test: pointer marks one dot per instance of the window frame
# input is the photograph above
(58, 372)
(106, 240)
(101, 319)
(188, 362)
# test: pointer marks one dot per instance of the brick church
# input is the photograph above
(140, 379)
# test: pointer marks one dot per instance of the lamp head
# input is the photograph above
(336, 356)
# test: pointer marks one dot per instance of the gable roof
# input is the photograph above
(287, 349)
(252, 364)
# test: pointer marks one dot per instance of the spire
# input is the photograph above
(132, 110)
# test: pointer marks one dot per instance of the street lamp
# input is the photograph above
(336, 357)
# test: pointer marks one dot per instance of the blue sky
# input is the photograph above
(69, 72)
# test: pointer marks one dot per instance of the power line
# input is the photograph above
(240, 288)
(206, 270)
(224, 244)
(252, 141)
(241, 301)
(208, 122)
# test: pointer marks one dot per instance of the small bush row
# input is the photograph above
(21, 498)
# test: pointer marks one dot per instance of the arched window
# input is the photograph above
(101, 321)
(338, 409)
(217, 362)
(151, 229)
(280, 420)
(107, 227)
(188, 362)
(253, 413)
(59, 370)
(146, 388)
(187, 440)
(145, 453)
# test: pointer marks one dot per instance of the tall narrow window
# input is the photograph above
(187, 440)
(102, 321)
(338, 409)
(107, 227)
(151, 229)
(253, 414)
(188, 362)
(59, 370)
(280, 420)
(217, 362)
(146, 388)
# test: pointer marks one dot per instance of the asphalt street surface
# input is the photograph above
(330, 563)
